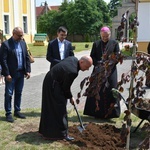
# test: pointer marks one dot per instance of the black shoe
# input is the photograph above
(19, 115)
(68, 138)
(9, 118)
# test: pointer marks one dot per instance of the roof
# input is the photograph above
(41, 9)
(55, 7)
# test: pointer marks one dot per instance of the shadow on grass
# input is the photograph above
(32, 114)
(27, 114)
(90, 119)
(33, 138)
(2, 118)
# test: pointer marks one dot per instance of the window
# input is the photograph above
(6, 24)
(25, 29)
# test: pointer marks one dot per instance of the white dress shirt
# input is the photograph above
(61, 45)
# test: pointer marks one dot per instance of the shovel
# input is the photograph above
(81, 127)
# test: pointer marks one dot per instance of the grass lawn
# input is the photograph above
(126, 53)
(23, 133)
(39, 51)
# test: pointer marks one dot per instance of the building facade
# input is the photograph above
(22, 13)
(144, 25)
(143, 31)
(127, 5)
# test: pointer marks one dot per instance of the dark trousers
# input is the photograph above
(16, 86)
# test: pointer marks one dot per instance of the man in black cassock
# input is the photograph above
(55, 92)
(105, 46)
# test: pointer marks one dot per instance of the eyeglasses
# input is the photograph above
(19, 35)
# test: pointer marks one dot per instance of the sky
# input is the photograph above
(54, 2)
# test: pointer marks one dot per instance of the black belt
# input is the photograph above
(20, 70)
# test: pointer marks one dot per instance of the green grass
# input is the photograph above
(80, 46)
(23, 133)
(126, 53)
(39, 51)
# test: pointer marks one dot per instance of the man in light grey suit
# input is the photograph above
(59, 48)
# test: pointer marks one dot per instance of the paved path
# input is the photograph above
(31, 97)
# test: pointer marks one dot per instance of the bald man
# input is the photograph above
(56, 90)
(15, 64)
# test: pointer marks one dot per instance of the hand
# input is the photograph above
(27, 76)
(8, 78)
(72, 101)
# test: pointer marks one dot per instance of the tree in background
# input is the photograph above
(46, 23)
(84, 18)
(103, 9)
(113, 5)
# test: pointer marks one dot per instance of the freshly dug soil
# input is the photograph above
(96, 137)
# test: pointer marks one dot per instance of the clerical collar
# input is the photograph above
(104, 42)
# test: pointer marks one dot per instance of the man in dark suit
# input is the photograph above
(56, 90)
(15, 64)
(59, 48)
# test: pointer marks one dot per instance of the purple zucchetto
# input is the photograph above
(105, 29)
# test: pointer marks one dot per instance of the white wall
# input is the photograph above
(33, 18)
(144, 22)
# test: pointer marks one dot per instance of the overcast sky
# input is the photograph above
(55, 2)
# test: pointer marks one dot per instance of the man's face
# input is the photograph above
(105, 36)
(61, 35)
(18, 35)
(84, 65)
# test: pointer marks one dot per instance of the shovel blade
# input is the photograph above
(81, 128)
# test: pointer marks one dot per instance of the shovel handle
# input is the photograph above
(81, 124)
